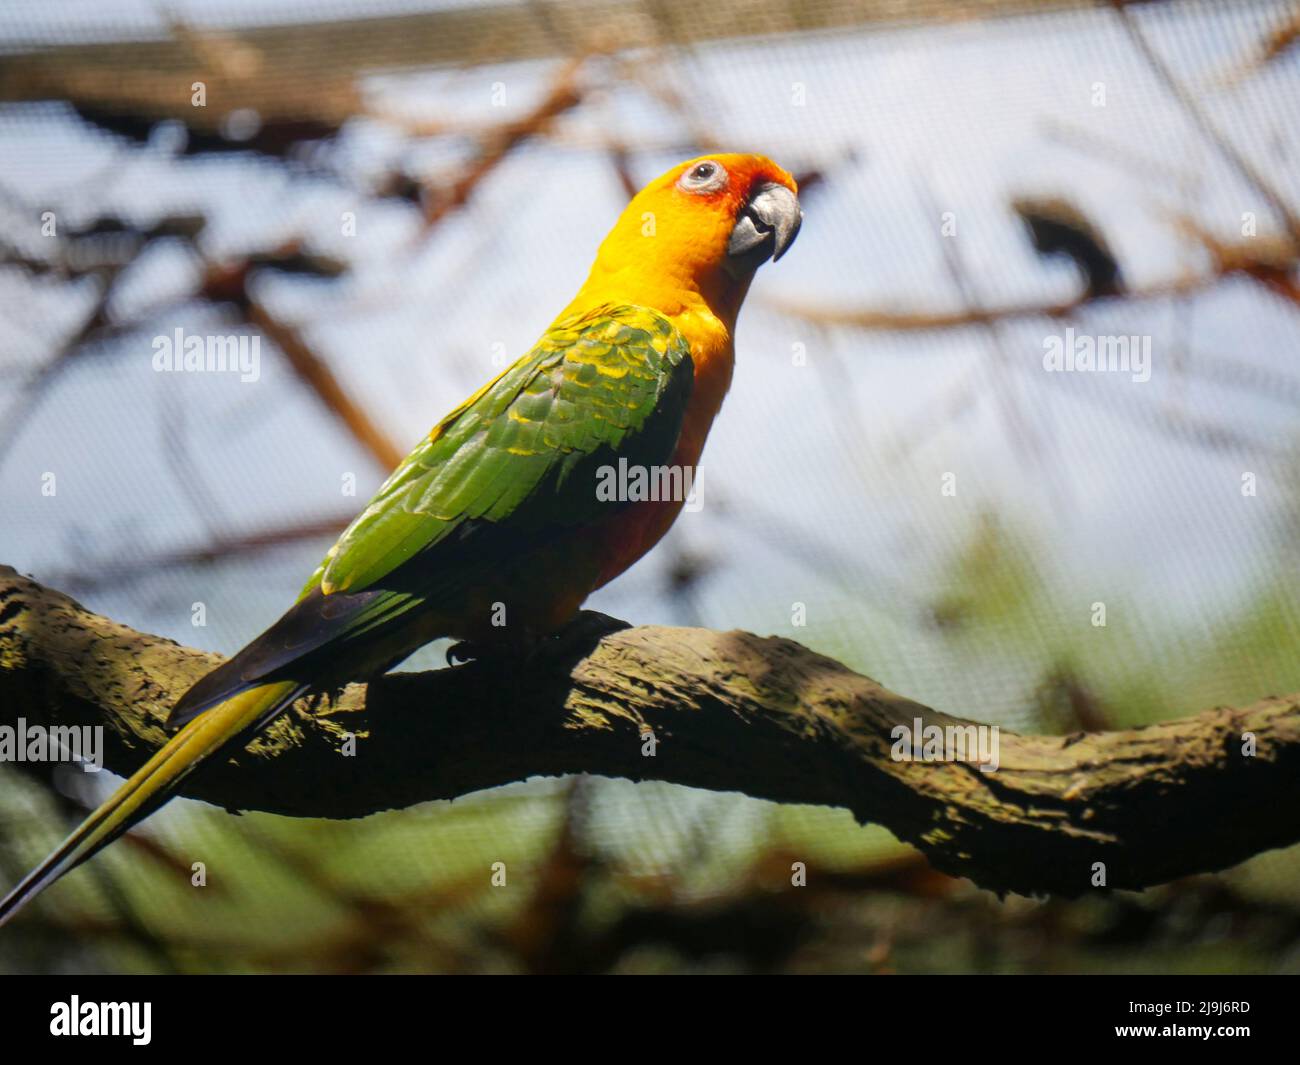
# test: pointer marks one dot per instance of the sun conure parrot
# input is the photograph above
(498, 504)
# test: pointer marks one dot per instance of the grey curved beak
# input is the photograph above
(769, 222)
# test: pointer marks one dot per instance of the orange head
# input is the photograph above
(690, 241)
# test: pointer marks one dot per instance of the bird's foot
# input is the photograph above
(468, 651)
(576, 640)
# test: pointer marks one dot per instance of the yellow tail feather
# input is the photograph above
(153, 784)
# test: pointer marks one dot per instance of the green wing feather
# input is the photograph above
(513, 466)
(612, 377)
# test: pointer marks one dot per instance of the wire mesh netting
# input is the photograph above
(389, 202)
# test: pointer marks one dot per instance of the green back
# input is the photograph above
(523, 452)
(501, 478)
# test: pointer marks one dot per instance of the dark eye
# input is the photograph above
(703, 177)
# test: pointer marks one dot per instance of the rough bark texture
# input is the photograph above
(731, 712)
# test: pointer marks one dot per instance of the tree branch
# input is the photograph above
(730, 711)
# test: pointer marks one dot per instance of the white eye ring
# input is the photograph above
(704, 176)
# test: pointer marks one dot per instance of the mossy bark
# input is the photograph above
(729, 711)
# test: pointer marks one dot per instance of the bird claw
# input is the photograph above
(466, 651)
(576, 640)
(501, 652)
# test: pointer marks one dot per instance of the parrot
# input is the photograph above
(497, 507)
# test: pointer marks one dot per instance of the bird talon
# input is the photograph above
(577, 639)
(464, 651)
